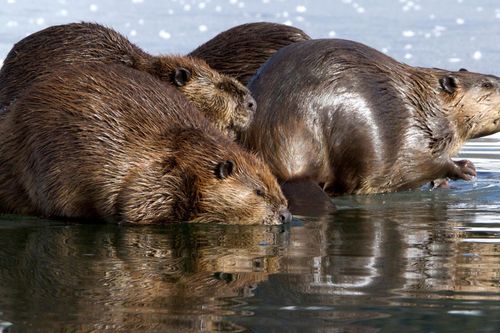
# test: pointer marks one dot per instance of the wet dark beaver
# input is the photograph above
(354, 120)
(241, 50)
(111, 142)
(223, 100)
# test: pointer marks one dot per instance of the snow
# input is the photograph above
(447, 34)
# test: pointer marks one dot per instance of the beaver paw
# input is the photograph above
(440, 183)
(464, 169)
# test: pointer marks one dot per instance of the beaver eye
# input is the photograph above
(260, 192)
(221, 86)
(487, 85)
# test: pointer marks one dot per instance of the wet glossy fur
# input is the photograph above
(357, 121)
(223, 100)
(241, 50)
(110, 142)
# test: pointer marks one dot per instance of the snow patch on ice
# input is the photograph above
(165, 35)
(301, 9)
(408, 33)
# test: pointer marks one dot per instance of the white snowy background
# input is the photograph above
(447, 33)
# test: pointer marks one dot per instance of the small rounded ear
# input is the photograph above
(462, 70)
(224, 169)
(449, 83)
(181, 76)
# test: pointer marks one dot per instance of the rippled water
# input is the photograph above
(418, 261)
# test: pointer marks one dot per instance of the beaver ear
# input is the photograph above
(462, 70)
(181, 76)
(224, 169)
(449, 83)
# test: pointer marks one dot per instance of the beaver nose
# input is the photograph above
(285, 216)
(251, 103)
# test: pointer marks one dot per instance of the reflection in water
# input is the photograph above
(410, 261)
(106, 278)
(381, 262)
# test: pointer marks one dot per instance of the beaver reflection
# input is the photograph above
(173, 279)
(384, 253)
(387, 253)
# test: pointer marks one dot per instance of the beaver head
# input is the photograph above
(202, 180)
(472, 101)
(224, 101)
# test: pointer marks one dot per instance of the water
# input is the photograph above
(418, 261)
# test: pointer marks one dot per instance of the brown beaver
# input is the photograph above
(356, 121)
(223, 100)
(241, 50)
(112, 142)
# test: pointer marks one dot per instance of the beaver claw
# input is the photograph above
(463, 169)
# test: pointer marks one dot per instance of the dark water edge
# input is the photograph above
(418, 261)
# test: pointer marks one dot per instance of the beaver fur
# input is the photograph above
(111, 142)
(241, 50)
(223, 100)
(356, 121)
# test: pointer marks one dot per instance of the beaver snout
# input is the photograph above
(285, 216)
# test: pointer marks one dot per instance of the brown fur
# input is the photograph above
(357, 121)
(222, 99)
(241, 50)
(111, 142)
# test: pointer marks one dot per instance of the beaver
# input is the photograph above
(241, 50)
(223, 100)
(355, 121)
(111, 142)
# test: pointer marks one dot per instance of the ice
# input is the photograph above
(440, 31)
